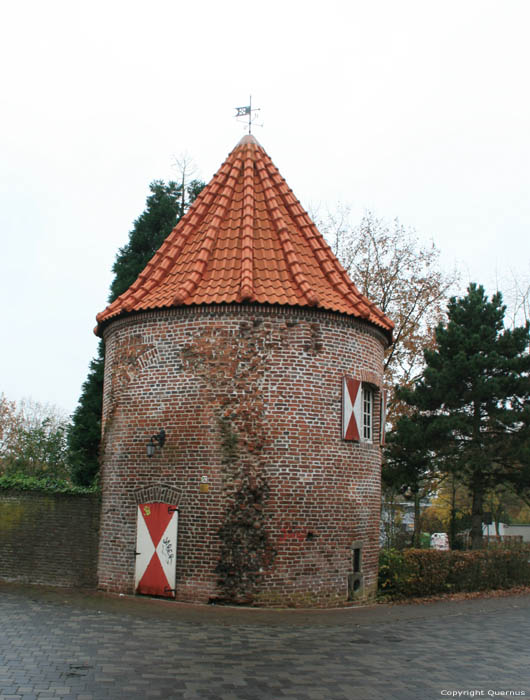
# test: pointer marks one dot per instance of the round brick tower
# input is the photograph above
(249, 365)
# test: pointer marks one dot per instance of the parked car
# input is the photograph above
(439, 540)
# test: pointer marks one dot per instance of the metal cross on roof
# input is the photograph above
(244, 111)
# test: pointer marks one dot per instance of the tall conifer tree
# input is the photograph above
(474, 397)
(410, 466)
(164, 208)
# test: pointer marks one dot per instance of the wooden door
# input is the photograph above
(156, 549)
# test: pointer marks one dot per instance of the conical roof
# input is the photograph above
(245, 239)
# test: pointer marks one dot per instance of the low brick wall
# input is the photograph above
(49, 538)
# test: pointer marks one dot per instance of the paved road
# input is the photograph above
(87, 646)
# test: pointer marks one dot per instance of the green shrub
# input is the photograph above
(23, 482)
(393, 573)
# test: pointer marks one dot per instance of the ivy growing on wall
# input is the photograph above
(233, 370)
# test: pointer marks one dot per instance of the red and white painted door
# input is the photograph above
(156, 549)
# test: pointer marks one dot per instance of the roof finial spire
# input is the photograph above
(243, 111)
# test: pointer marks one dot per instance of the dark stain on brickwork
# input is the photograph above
(233, 373)
(314, 344)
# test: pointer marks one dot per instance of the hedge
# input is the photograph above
(419, 572)
(46, 484)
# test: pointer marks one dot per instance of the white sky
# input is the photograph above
(413, 109)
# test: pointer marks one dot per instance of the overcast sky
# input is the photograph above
(417, 110)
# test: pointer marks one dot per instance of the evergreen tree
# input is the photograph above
(164, 208)
(474, 398)
(163, 211)
(84, 434)
(410, 466)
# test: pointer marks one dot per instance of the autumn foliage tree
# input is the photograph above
(392, 268)
(32, 439)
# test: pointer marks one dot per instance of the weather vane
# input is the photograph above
(244, 111)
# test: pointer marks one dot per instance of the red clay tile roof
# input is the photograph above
(246, 238)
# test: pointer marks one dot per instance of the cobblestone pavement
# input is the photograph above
(88, 646)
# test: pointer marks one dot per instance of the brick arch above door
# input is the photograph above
(158, 493)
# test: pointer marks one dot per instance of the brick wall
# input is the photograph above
(250, 397)
(48, 539)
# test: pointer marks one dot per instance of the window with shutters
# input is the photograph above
(368, 412)
(358, 410)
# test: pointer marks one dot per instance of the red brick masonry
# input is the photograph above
(250, 398)
(49, 538)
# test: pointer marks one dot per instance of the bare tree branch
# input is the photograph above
(392, 268)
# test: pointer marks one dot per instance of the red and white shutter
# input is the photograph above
(156, 549)
(382, 429)
(351, 409)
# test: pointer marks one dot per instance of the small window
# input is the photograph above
(355, 578)
(356, 560)
(368, 405)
